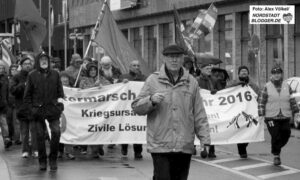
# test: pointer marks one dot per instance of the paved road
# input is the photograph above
(112, 166)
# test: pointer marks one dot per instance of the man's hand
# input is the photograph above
(213, 92)
(157, 98)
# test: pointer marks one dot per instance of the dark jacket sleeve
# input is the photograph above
(17, 88)
(60, 90)
(4, 92)
(28, 91)
(293, 102)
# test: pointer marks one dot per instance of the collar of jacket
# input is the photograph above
(163, 77)
(205, 77)
(24, 73)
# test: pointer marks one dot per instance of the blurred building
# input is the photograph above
(7, 25)
(148, 25)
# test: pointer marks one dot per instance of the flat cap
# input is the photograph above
(173, 49)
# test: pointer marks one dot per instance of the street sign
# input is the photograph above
(76, 36)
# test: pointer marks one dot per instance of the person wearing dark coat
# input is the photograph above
(27, 126)
(42, 91)
(3, 105)
(206, 81)
(243, 79)
(134, 74)
(12, 122)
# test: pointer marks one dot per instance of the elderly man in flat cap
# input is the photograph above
(171, 99)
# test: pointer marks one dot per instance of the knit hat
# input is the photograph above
(243, 67)
(24, 59)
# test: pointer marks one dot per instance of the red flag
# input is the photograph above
(112, 40)
(33, 24)
(181, 36)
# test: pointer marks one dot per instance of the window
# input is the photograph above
(167, 34)
(151, 40)
(125, 33)
(137, 39)
(249, 38)
(225, 42)
(275, 51)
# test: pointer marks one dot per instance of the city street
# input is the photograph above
(227, 165)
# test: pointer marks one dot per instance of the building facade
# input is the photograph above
(149, 26)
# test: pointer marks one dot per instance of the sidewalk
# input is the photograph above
(4, 171)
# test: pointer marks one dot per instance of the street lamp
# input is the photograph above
(74, 36)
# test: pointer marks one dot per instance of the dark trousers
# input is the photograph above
(54, 142)
(171, 166)
(242, 148)
(28, 129)
(137, 148)
(280, 132)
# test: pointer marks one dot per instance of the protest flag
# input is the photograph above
(32, 22)
(181, 36)
(204, 22)
(5, 55)
(115, 45)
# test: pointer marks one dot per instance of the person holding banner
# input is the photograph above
(206, 81)
(93, 80)
(42, 91)
(108, 71)
(134, 74)
(243, 79)
(276, 106)
(175, 113)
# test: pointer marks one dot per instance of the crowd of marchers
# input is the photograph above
(30, 91)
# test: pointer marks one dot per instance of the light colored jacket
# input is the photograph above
(172, 124)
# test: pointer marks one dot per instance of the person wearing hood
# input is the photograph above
(276, 106)
(3, 105)
(134, 74)
(42, 91)
(27, 126)
(93, 80)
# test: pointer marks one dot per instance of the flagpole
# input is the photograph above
(66, 37)
(99, 20)
(49, 28)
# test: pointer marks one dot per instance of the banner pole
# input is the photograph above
(99, 20)
(100, 17)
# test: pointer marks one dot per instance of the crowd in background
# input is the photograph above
(18, 127)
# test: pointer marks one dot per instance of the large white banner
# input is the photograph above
(104, 116)
(233, 115)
